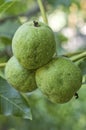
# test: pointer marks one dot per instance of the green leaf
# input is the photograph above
(60, 2)
(8, 28)
(12, 103)
(2, 73)
(1, 2)
(14, 8)
(11, 7)
(6, 5)
(5, 41)
(82, 66)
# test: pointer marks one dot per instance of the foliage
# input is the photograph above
(64, 3)
(12, 103)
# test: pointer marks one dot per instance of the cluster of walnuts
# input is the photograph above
(33, 65)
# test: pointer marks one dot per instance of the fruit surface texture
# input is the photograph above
(33, 44)
(19, 77)
(59, 80)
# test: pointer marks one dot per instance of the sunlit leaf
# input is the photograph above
(14, 8)
(5, 6)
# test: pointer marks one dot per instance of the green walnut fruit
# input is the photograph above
(19, 77)
(33, 44)
(59, 80)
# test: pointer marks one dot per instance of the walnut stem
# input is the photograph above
(36, 24)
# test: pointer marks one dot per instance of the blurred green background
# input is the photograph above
(67, 18)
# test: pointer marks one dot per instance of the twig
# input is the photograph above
(73, 54)
(2, 65)
(78, 56)
(42, 9)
